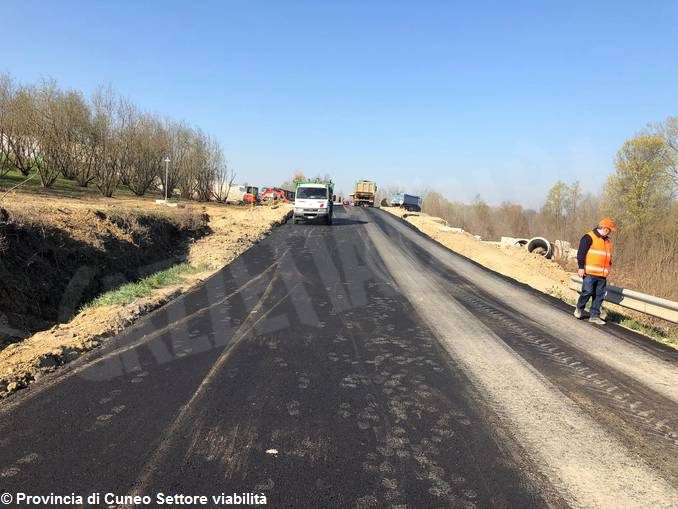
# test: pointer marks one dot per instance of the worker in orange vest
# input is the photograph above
(594, 257)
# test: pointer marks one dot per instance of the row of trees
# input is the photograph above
(641, 195)
(106, 141)
(300, 176)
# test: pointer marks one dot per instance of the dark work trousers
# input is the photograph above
(593, 286)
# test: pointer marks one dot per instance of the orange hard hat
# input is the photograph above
(606, 222)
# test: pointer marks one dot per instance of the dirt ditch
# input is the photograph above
(57, 254)
(55, 260)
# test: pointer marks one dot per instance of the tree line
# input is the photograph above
(300, 176)
(640, 194)
(106, 141)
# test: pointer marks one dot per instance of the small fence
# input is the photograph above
(654, 306)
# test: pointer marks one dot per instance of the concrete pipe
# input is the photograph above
(512, 241)
(540, 246)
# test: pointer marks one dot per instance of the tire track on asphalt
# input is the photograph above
(643, 419)
(111, 350)
(646, 421)
(363, 407)
(187, 410)
(194, 315)
(656, 369)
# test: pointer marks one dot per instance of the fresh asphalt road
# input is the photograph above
(357, 365)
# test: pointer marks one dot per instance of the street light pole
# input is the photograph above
(167, 161)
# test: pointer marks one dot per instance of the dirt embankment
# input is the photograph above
(56, 259)
(515, 262)
(59, 254)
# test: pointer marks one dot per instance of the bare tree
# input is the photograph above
(64, 116)
(106, 140)
(49, 124)
(17, 121)
(5, 166)
(188, 170)
(6, 94)
(107, 126)
(145, 146)
(206, 155)
(510, 220)
(326, 177)
(223, 181)
(88, 151)
(555, 209)
(179, 147)
(291, 184)
(385, 193)
(668, 131)
(127, 134)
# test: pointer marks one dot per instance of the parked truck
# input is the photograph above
(364, 193)
(314, 201)
(406, 201)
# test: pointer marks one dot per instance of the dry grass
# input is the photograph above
(647, 265)
(645, 257)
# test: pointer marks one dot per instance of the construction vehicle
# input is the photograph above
(314, 201)
(242, 194)
(364, 193)
(276, 194)
(406, 201)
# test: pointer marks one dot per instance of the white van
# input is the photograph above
(314, 201)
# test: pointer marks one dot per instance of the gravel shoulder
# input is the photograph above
(516, 263)
(570, 393)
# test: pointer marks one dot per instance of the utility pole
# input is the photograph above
(167, 161)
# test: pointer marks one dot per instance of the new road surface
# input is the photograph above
(355, 365)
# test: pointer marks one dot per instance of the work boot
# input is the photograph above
(577, 313)
(597, 320)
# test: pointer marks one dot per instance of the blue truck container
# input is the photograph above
(406, 201)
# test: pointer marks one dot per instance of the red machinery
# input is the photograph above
(277, 194)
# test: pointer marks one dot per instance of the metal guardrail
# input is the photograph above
(654, 306)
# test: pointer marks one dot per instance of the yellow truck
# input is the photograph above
(364, 193)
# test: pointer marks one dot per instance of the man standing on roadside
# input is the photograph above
(595, 259)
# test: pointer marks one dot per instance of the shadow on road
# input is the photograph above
(344, 221)
(336, 221)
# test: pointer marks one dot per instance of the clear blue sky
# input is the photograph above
(497, 98)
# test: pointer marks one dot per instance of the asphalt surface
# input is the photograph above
(356, 365)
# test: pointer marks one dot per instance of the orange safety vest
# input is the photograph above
(599, 256)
